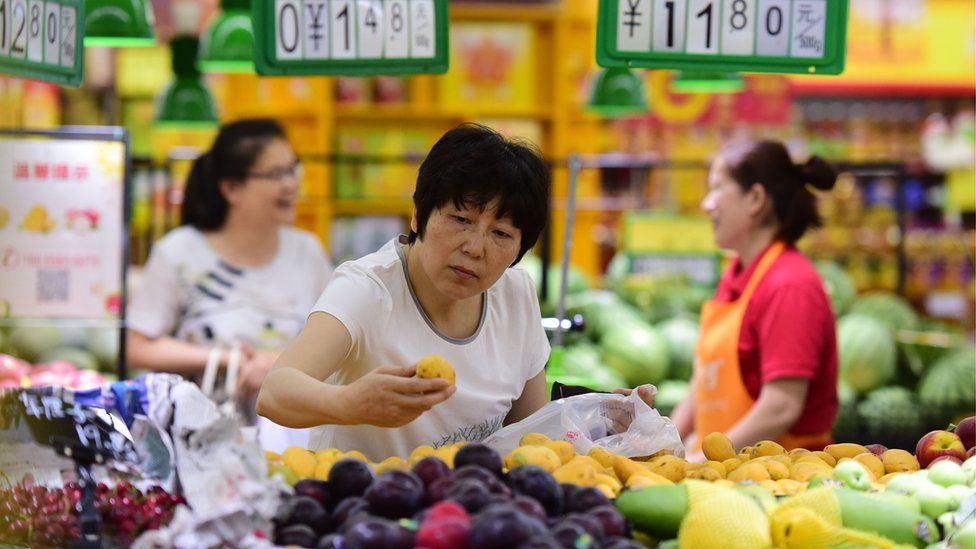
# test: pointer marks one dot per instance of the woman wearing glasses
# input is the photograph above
(236, 272)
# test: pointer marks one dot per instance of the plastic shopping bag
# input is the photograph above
(624, 425)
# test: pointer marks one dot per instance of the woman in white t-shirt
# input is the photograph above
(236, 271)
(447, 289)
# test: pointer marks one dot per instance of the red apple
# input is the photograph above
(938, 443)
(953, 459)
(966, 431)
(877, 449)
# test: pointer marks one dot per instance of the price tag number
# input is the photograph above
(772, 28)
(354, 29)
(37, 32)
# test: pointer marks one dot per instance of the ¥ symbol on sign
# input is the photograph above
(315, 12)
(632, 15)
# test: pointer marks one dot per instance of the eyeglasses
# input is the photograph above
(279, 174)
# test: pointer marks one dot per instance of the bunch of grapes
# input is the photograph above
(39, 517)
(476, 505)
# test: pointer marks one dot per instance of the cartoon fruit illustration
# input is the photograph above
(435, 366)
(38, 220)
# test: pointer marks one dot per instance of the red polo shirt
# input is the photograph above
(788, 331)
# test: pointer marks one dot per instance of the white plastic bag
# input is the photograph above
(624, 425)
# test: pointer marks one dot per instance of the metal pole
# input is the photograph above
(574, 167)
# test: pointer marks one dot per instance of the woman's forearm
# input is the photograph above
(165, 354)
(683, 416)
(768, 419)
(292, 398)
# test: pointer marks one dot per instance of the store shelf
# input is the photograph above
(388, 206)
(476, 11)
(384, 113)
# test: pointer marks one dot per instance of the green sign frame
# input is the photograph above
(33, 45)
(824, 29)
(272, 16)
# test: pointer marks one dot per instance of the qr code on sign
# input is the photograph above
(52, 285)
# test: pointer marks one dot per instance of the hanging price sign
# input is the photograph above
(355, 37)
(775, 36)
(40, 40)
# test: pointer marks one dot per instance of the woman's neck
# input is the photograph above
(755, 244)
(454, 318)
(244, 243)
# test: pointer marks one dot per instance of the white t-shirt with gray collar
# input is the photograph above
(374, 300)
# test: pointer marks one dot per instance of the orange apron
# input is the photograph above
(721, 397)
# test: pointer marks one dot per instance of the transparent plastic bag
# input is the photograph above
(624, 425)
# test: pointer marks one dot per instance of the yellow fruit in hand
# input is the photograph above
(299, 460)
(717, 447)
(435, 366)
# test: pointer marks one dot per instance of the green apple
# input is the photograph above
(286, 473)
(959, 492)
(947, 473)
(853, 475)
(905, 483)
(969, 466)
(933, 499)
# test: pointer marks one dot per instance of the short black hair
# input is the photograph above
(769, 164)
(471, 166)
(230, 158)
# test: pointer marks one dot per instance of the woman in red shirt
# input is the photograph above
(766, 360)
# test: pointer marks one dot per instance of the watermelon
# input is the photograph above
(27, 342)
(866, 351)
(682, 336)
(838, 285)
(576, 281)
(82, 359)
(104, 344)
(583, 361)
(601, 309)
(890, 412)
(891, 310)
(847, 421)
(670, 393)
(951, 381)
(636, 351)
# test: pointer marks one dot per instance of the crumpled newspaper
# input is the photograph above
(223, 476)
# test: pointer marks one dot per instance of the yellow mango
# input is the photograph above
(596, 465)
(602, 478)
(391, 463)
(773, 487)
(811, 458)
(803, 471)
(704, 473)
(872, 463)
(355, 454)
(534, 439)
(419, 453)
(724, 482)
(434, 366)
(717, 447)
(782, 458)
(826, 458)
(271, 456)
(322, 468)
(845, 450)
(776, 470)
(691, 466)
(563, 449)
(797, 452)
(533, 455)
(731, 464)
(644, 478)
(899, 461)
(669, 467)
(625, 467)
(754, 472)
(299, 460)
(791, 487)
(718, 466)
(328, 454)
(604, 457)
(607, 491)
(446, 454)
(768, 448)
(577, 473)
(744, 456)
